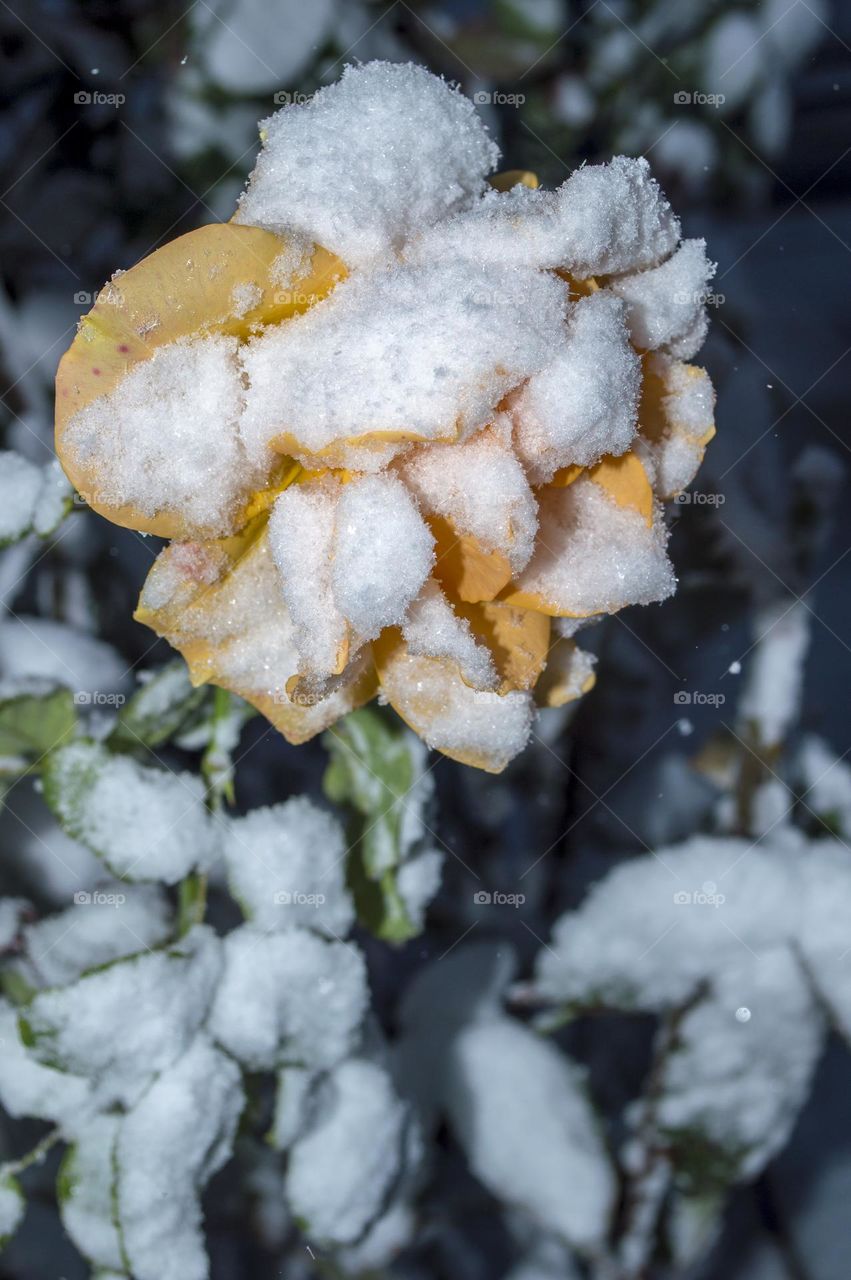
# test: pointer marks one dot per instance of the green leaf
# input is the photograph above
(67, 778)
(159, 709)
(377, 767)
(35, 718)
(12, 1207)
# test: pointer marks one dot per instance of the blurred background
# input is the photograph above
(127, 122)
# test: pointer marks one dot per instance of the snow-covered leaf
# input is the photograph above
(519, 1109)
(740, 1070)
(288, 998)
(293, 1103)
(152, 1005)
(286, 867)
(145, 823)
(35, 717)
(32, 498)
(342, 1170)
(103, 925)
(159, 708)
(12, 1207)
(28, 1088)
(177, 1136)
(86, 1193)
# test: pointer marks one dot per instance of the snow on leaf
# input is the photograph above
(342, 1170)
(177, 1136)
(286, 867)
(519, 1110)
(152, 1004)
(86, 1193)
(106, 924)
(160, 707)
(145, 823)
(741, 1069)
(293, 1102)
(27, 1088)
(12, 1208)
(288, 998)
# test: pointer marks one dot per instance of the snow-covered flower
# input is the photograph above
(406, 424)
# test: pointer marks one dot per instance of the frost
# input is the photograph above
(145, 823)
(176, 1137)
(166, 437)
(105, 924)
(317, 169)
(585, 402)
(520, 1112)
(341, 1171)
(288, 998)
(286, 866)
(153, 1004)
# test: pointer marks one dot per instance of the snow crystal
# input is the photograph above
(402, 353)
(146, 823)
(340, 1172)
(286, 867)
(499, 510)
(434, 630)
(113, 921)
(178, 1135)
(585, 402)
(595, 556)
(301, 537)
(166, 438)
(675, 461)
(20, 486)
(520, 1112)
(153, 1004)
(772, 692)
(12, 1207)
(461, 722)
(688, 398)
(387, 149)
(666, 303)
(383, 552)
(288, 998)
